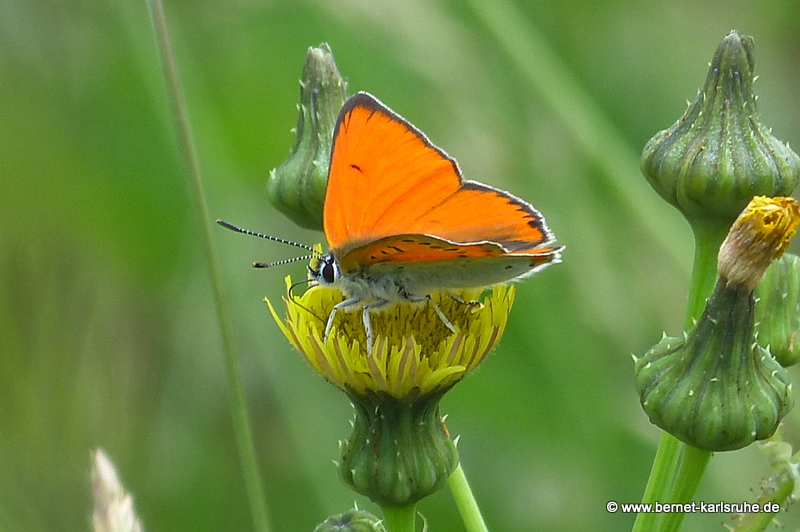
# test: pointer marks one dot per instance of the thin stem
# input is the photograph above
(690, 471)
(758, 522)
(657, 489)
(776, 490)
(465, 501)
(241, 424)
(400, 518)
(678, 467)
(707, 240)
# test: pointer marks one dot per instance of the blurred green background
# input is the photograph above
(107, 329)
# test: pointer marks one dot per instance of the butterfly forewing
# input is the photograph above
(383, 174)
(387, 179)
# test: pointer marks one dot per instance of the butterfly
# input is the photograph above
(402, 223)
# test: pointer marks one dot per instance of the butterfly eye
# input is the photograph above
(328, 272)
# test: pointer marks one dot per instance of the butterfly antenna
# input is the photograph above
(238, 229)
(314, 253)
(281, 262)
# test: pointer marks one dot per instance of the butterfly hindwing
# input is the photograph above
(421, 263)
(414, 248)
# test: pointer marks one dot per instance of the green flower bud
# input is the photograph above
(778, 310)
(719, 155)
(351, 521)
(715, 388)
(399, 451)
(297, 187)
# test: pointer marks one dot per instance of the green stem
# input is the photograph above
(777, 489)
(400, 518)
(690, 471)
(657, 489)
(708, 238)
(758, 522)
(678, 467)
(465, 501)
(241, 424)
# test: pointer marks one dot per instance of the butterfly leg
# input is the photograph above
(346, 303)
(378, 303)
(429, 299)
(473, 304)
(441, 314)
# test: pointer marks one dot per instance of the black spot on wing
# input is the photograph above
(356, 168)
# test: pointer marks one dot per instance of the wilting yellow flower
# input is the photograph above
(759, 236)
(414, 351)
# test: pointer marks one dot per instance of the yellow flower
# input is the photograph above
(399, 450)
(759, 236)
(414, 352)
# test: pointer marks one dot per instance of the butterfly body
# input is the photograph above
(402, 223)
(397, 279)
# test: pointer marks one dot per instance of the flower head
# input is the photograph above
(759, 236)
(399, 450)
(414, 352)
(715, 388)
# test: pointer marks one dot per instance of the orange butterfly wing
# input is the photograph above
(387, 181)
(415, 247)
(423, 248)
